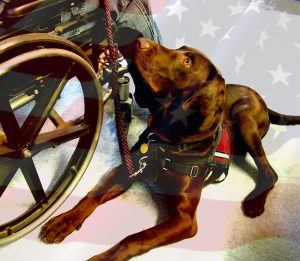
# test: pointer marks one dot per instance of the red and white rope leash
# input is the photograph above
(113, 52)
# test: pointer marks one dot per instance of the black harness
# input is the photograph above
(151, 150)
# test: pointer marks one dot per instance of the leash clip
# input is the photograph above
(194, 171)
(143, 165)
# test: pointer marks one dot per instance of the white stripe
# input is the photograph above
(221, 155)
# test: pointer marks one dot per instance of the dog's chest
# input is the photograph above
(174, 120)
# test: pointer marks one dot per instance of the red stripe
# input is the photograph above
(222, 160)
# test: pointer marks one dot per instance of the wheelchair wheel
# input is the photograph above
(38, 73)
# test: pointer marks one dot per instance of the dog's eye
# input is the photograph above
(187, 61)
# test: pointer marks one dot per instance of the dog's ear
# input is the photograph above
(184, 47)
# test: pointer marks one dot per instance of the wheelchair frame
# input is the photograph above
(43, 44)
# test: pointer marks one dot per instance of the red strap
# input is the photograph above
(222, 153)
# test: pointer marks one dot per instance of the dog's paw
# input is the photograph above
(254, 204)
(58, 228)
(253, 207)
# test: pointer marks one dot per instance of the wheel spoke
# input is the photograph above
(40, 112)
(8, 170)
(9, 122)
(56, 119)
(58, 136)
(6, 151)
(48, 139)
(32, 178)
(79, 120)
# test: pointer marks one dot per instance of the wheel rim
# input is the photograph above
(16, 45)
(25, 142)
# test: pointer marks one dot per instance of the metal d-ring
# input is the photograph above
(148, 137)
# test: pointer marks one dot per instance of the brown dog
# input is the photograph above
(188, 87)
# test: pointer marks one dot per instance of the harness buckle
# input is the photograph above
(164, 163)
(194, 171)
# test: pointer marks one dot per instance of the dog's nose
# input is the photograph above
(143, 43)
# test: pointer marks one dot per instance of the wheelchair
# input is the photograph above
(46, 48)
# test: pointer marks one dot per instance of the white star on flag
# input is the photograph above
(283, 20)
(237, 9)
(279, 75)
(226, 36)
(180, 41)
(263, 37)
(240, 61)
(181, 115)
(208, 28)
(254, 6)
(177, 9)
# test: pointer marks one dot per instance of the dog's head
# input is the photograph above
(188, 81)
(173, 71)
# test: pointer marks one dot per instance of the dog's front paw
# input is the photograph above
(58, 228)
(254, 204)
(253, 208)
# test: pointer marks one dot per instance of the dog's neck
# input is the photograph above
(193, 117)
(176, 123)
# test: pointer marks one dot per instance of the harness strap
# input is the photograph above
(151, 150)
(189, 170)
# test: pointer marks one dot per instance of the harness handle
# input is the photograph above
(121, 130)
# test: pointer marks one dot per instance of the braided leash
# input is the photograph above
(121, 130)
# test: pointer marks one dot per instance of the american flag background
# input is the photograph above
(251, 42)
(254, 43)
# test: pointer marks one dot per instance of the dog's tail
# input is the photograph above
(282, 119)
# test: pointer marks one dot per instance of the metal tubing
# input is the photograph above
(21, 100)
(124, 88)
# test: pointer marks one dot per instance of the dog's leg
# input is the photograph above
(57, 228)
(251, 132)
(180, 223)
(172, 230)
